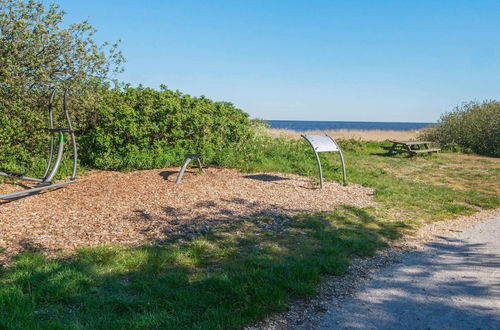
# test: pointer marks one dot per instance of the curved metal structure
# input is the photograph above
(325, 143)
(189, 158)
(53, 163)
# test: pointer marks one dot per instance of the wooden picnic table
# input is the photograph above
(411, 147)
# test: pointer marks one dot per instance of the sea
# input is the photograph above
(301, 126)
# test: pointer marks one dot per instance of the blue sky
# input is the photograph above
(309, 60)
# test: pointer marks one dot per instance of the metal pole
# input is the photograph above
(57, 163)
(320, 170)
(199, 163)
(183, 169)
(51, 126)
(72, 134)
(19, 194)
(317, 160)
(20, 177)
(344, 180)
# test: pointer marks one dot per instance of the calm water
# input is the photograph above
(301, 126)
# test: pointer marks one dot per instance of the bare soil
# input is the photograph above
(104, 208)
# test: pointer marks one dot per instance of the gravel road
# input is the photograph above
(452, 283)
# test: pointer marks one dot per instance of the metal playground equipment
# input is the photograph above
(325, 143)
(57, 137)
(189, 158)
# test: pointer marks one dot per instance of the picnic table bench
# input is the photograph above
(411, 147)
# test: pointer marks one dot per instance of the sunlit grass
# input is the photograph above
(241, 272)
(221, 280)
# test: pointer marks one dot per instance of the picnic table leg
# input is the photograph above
(392, 149)
(408, 149)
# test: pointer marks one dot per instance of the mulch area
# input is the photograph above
(105, 207)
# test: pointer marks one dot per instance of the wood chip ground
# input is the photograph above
(105, 207)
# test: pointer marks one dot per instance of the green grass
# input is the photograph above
(240, 273)
(406, 187)
(222, 280)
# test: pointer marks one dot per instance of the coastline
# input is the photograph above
(364, 135)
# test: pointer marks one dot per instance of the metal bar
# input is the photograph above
(72, 134)
(51, 126)
(183, 169)
(31, 191)
(27, 178)
(199, 163)
(320, 170)
(57, 163)
(344, 180)
(317, 160)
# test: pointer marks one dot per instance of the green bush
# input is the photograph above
(40, 50)
(473, 127)
(260, 123)
(140, 128)
(132, 128)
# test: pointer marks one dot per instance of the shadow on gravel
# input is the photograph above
(266, 177)
(454, 284)
(166, 174)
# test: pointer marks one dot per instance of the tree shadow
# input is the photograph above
(221, 270)
(449, 284)
(28, 245)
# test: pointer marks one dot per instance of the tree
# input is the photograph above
(37, 54)
(471, 126)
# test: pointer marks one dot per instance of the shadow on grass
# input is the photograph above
(393, 154)
(226, 276)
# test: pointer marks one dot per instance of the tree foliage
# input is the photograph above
(36, 54)
(472, 126)
(146, 128)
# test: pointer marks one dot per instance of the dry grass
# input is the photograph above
(457, 171)
(365, 135)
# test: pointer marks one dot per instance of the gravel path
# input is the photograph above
(452, 283)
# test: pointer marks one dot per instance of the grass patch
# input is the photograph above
(424, 188)
(227, 279)
(240, 273)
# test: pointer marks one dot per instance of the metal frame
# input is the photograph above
(45, 182)
(189, 158)
(333, 147)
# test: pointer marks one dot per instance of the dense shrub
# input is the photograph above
(472, 126)
(132, 128)
(146, 128)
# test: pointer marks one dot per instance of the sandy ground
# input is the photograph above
(452, 283)
(136, 207)
(365, 135)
